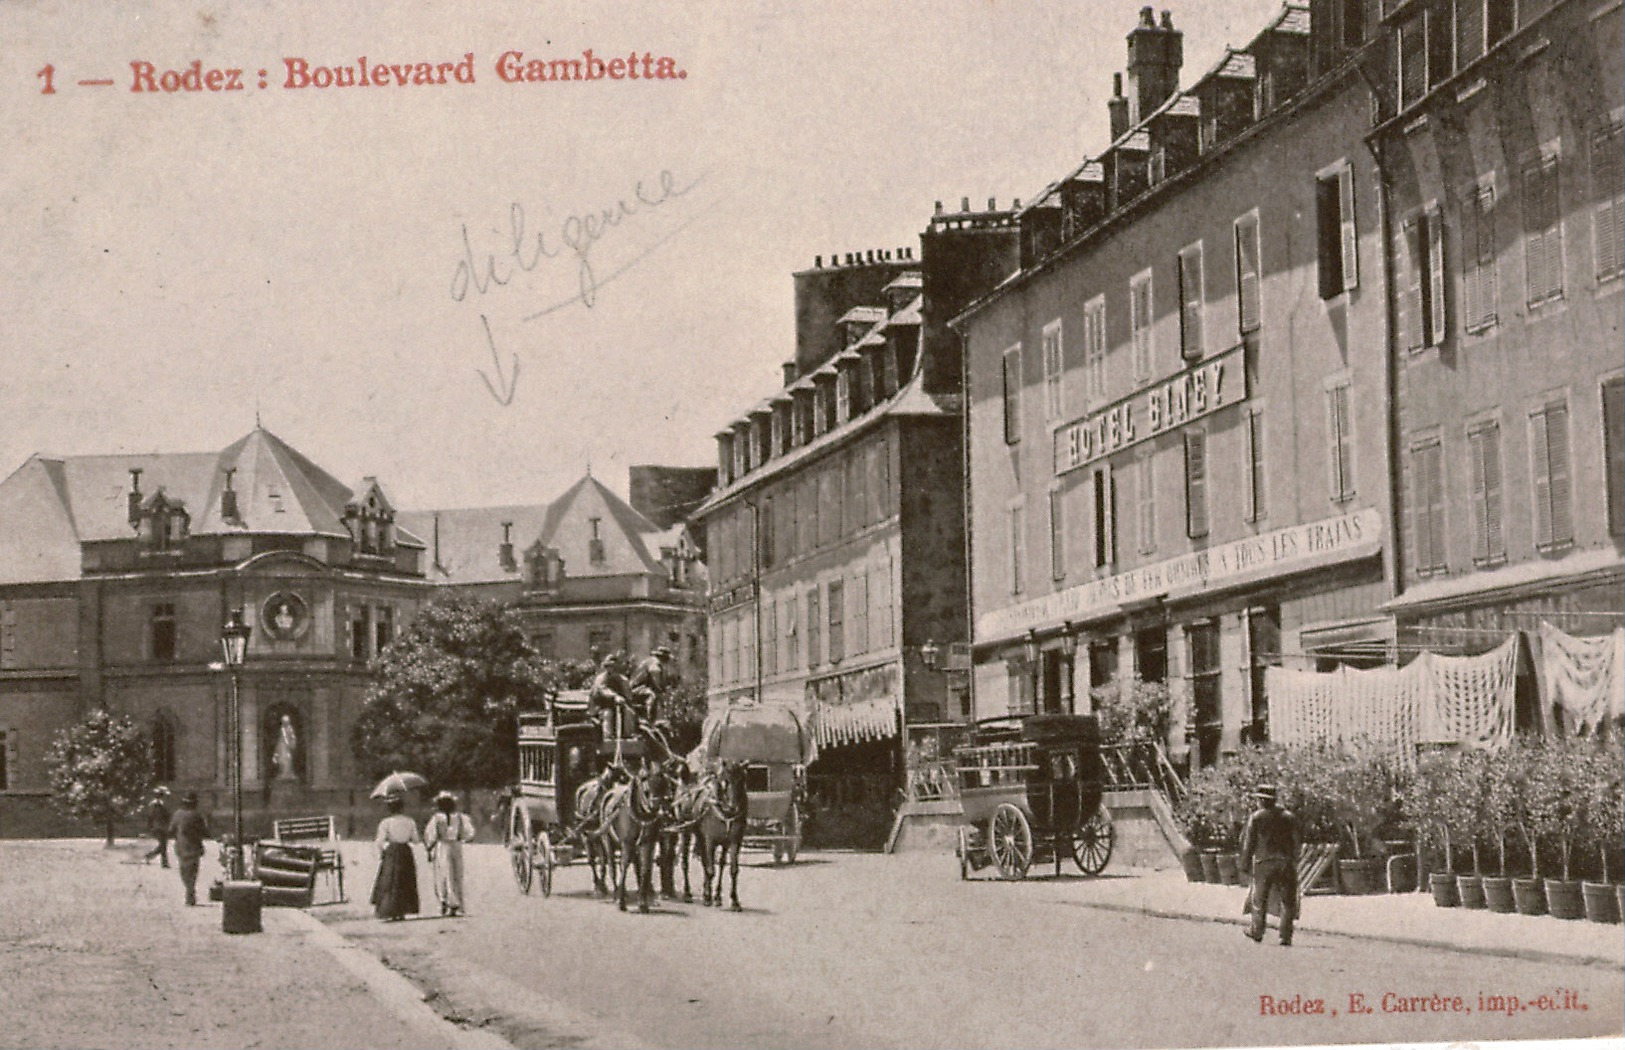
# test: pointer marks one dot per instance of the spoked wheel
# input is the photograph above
(963, 850)
(521, 848)
(1092, 843)
(1010, 839)
(543, 863)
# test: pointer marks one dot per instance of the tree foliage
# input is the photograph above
(448, 692)
(100, 769)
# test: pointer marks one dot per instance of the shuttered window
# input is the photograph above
(814, 628)
(1469, 31)
(1145, 489)
(1341, 443)
(1190, 303)
(1413, 61)
(1335, 233)
(1484, 472)
(1549, 459)
(770, 638)
(1419, 265)
(1253, 434)
(1478, 259)
(837, 621)
(1427, 506)
(1613, 437)
(1054, 405)
(1012, 395)
(1543, 231)
(1249, 303)
(1018, 546)
(1608, 191)
(1139, 294)
(1195, 484)
(1094, 350)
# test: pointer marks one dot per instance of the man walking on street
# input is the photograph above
(158, 826)
(1269, 850)
(189, 828)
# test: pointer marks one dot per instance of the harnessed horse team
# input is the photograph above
(636, 809)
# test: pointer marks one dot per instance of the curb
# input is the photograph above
(1524, 954)
(393, 991)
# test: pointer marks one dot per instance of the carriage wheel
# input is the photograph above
(544, 862)
(1092, 843)
(521, 847)
(1010, 840)
(963, 852)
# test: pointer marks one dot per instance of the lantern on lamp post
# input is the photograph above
(234, 647)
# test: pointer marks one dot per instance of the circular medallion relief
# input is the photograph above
(285, 616)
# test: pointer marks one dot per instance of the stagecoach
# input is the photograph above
(558, 752)
(1031, 790)
(776, 749)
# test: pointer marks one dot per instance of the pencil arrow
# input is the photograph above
(502, 389)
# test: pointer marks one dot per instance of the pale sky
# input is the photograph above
(173, 261)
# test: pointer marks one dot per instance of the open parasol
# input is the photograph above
(398, 784)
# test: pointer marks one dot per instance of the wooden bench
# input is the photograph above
(322, 833)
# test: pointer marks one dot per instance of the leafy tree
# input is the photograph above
(685, 709)
(1132, 710)
(100, 769)
(448, 692)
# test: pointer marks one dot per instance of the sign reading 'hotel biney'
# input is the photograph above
(1199, 391)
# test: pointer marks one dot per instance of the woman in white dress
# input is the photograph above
(444, 836)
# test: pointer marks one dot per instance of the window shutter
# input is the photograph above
(1557, 459)
(1413, 325)
(1057, 535)
(1342, 474)
(1140, 305)
(1247, 283)
(1540, 455)
(1254, 436)
(1190, 300)
(1613, 426)
(1345, 215)
(1196, 484)
(1484, 463)
(1469, 31)
(1427, 501)
(1434, 230)
(1012, 395)
(1147, 491)
(1608, 189)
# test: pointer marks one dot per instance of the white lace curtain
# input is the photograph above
(1582, 676)
(1457, 699)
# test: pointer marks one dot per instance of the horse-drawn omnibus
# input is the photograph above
(775, 749)
(1031, 787)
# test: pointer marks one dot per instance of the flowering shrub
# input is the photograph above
(100, 769)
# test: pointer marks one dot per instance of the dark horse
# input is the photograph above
(721, 829)
(634, 815)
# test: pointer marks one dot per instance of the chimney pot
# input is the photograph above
(818, 262)
(993, 204)
(964, 204)
(1117, 85)
(849, 258)
(1167, 20)
(1148, 18)
(939, 208)
(1015, 205)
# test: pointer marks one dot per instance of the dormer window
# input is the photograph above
(164, 523)
(371, 524)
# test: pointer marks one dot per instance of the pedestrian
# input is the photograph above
(443, 838)
(395, 892)
(1269, 851)
(189, 828)
(158, 826)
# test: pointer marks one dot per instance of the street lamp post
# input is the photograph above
(234, 646)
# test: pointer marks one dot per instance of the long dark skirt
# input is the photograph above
(396, 892)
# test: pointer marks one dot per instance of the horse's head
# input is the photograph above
(656, 787)
(731, 787)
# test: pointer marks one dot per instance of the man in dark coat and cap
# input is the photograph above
(189, 828)
(1269, 851)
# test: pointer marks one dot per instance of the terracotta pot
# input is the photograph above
(1362, 875)
(1471, 889)
(1601, 901)
(1498, 894)
(1229, 871)
(1564, 900)
(1191, 861)
(1530, 895)
(1210, 867)
(1445, 893)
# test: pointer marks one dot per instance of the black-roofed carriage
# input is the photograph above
(1031, 787)
(558, 752)
(775, 747)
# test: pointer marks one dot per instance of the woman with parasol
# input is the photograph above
(395, 892)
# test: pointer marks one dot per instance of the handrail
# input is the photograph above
(1141, 765)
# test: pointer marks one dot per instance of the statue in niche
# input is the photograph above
(287, 747)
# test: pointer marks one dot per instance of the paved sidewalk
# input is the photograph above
(99, 950)
(1402, 918)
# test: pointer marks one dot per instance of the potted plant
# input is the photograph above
(1363, 796)
(1605, 828)
(1198, 816)
(1467, 820)
(1559, 816)
(1529, 784)
(1426, 806)
(1500, 819)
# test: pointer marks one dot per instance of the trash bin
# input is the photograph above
(240, 911)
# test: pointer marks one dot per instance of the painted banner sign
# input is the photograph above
(1213, 384)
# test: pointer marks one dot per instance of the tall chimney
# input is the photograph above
(228, 498)
(134, 498)
(505, 552)
(1117, 108)
(1155, 54)
(789, 368)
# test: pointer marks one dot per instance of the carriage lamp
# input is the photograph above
(929, 652)
(1069, 640)
(234, 646)
(1029, 647)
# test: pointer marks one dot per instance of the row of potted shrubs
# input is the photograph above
(1539, 809)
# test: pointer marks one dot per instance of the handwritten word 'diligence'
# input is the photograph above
(575, 237)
